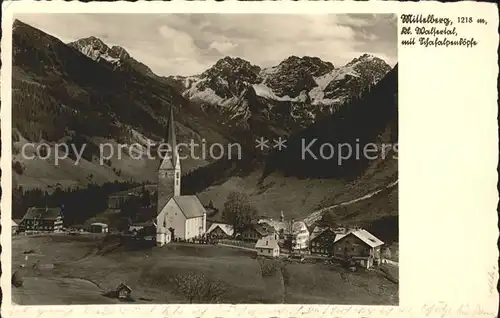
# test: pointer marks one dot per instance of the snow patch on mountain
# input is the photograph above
(265, 91)
(309, 84)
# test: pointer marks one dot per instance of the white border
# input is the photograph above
(448, 198)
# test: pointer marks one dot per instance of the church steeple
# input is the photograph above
(169, 174)
(171, 158)
(172, 139)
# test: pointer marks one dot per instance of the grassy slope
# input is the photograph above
(148, 272)
(58, 92)
(44, 173)
(299, 197)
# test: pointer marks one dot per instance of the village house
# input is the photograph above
(135, 227)
(98, 227)
(220, 231)
(42, 220)
(179, 216)
(123, 291)
(295, 232)
(268, 246)
(147, 235)
(255, 232)
(14, 227)
(322, 240)
(359, 246)
(117, 200)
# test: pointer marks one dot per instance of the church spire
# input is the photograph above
(170, 160)
(172, 140)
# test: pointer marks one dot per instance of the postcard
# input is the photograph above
(222, 159)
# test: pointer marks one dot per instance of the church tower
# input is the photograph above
(169, 173)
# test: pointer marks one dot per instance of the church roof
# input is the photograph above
(190, 205)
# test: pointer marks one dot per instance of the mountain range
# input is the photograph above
(86, 92)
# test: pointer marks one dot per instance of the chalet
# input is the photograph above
(268, 246)
(123, 291)
(42, 220)
(15, 227)
(255, 232)
(135, 227)
(294, 231)
(98, 227)
(147, 234)
(116, 201)
(321, 241)
(359, 246)
(220, 230)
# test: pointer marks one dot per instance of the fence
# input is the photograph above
(236, 243)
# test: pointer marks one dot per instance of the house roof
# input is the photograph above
(42, 213)
(123, 286)
(133, 191)
(267, 242)
(262, 230)
(99, 224)
(190, 206)
(318, 231)
(143, 224)
(226, 228)
(296, 226)
(14, 223)
(364, 236)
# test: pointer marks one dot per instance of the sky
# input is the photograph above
(188, 44)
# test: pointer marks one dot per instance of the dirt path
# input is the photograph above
(317, 215)
(240, 247)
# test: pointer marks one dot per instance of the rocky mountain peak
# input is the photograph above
(97, 50)
(119, 52)
(296, 74)
(313, 65)
(232, 69)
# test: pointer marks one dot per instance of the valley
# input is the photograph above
(233, 101)
(104, 222)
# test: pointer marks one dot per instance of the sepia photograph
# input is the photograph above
(205, 158)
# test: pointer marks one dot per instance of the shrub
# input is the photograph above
(387, 253)
(17, 279)
(268, 269)
(17, 167)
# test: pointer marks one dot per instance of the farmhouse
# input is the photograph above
(42, 219)
(179, 216)
(268, 246)
(321, 241)
(98, 227)
(117, 200)
(358, 245)
(220, 230)
(123, 291)
(295, 231)
(255, 232)
(15, 227)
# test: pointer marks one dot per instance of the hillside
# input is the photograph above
(86, 92)
(293, 94)
(300, 187)
(62, 95)
(369, 121)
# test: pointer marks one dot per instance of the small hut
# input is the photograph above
(98, 227)
(123, 291)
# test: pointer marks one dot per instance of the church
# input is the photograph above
(178, 216)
